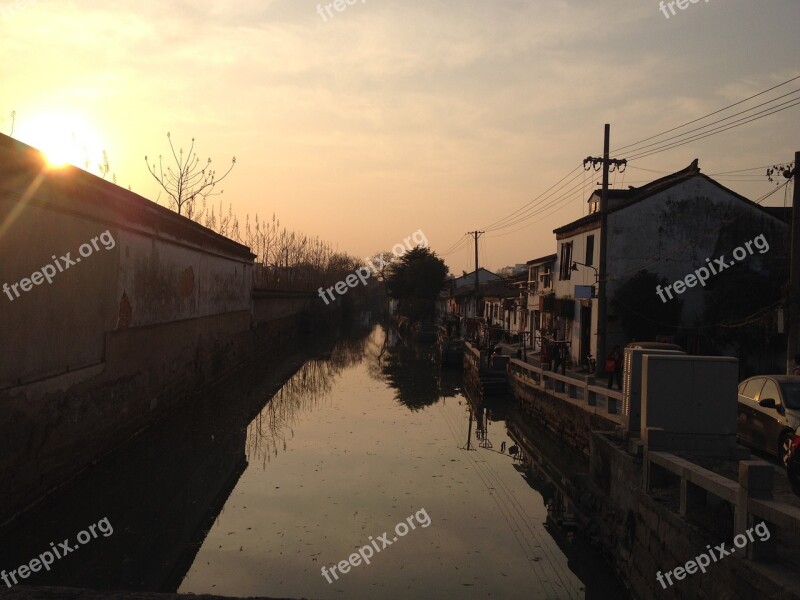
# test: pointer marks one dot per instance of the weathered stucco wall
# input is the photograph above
(147, 266)
(673, 232)
(160, 308)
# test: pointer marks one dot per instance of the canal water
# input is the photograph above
(366, 452)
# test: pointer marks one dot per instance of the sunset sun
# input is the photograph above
(63, 140)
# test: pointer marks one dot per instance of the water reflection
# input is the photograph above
(553, 471)
(272, 428)
(164, 489)
(256, 486)
(411, 370)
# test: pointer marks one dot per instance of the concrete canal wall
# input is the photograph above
(656, 502)
(113, 310)
(647, 532)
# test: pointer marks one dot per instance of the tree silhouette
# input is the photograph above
(642, 315)
(187, 180)
(415, 280)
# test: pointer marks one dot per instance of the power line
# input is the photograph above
(750, 169)
(616, 150)
(561, 199)
(721, 129)
(534, 207)
(793, 92)
(499, 224)
(456, 246)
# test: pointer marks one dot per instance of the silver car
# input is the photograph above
(769, 413)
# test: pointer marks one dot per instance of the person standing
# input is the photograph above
(796, 370)
(555, 352)
(614, 367)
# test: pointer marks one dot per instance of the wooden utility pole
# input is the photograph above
(476, 235)
(602, 304)
(793, 331)
(602, 300)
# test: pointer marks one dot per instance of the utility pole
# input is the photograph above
(793, 331)
(602, 301)
(476, 235)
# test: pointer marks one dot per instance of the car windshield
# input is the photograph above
(791, 394)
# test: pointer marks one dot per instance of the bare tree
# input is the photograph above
(187, 180)
(105, 168)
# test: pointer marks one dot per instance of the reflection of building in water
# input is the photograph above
(552, 469)
(161, 492)
(484, 411)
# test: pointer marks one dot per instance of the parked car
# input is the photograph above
(793, 464)
(769, 413)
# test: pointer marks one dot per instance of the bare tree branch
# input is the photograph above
(186, 182)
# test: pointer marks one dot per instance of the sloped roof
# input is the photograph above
(74, 190)
(493, 289)
(542, 260)
(498, 289)
(634, 195)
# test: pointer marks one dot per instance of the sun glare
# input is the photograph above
(62, 139)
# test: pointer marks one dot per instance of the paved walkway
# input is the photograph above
(533, 359)
(48, 593)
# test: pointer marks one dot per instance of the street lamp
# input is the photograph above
(575, 264)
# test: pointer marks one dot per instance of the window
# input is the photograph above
(752, 388)
(590, 250)
(566, 261)
(791, 395)
(770, 391)
(546, 279)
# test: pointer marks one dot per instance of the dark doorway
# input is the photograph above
(586, 332)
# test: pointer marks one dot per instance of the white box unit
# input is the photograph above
(691, 401)
(632, 380)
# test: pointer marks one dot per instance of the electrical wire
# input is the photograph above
(696, 129)
(534, 207)
(562, 200)
(617, 150)
(750, 169)
(452, 247)
(721, 129)
(504, 222)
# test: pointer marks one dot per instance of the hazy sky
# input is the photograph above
(394, 116)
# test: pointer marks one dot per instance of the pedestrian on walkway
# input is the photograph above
(555, 351)
(614, 367)
(796, 370)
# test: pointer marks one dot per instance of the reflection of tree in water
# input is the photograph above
(273, 426)
(410, 369)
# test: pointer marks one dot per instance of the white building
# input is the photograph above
(668, 228)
